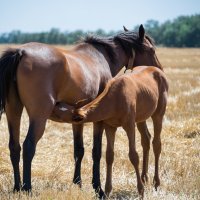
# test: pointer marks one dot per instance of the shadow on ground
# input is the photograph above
(125, 195)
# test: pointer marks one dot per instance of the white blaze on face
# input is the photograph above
(63, 109)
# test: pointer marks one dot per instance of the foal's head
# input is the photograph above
(139, 47)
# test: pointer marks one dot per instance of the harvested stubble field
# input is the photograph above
(53, 164)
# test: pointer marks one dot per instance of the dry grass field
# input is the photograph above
(53, 164)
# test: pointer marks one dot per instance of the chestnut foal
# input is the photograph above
(126, 100)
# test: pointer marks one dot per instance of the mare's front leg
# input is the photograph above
(96, 156)
(110, 135)
(13, 113)
(145, 140)
(78, 152)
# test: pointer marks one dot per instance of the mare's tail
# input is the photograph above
(8, 67)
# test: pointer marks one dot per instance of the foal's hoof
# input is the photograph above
(141, 191)
(156, 182)
(108, 189)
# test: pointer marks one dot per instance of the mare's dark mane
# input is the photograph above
(106, 43)
(151, 40)
(129, 40)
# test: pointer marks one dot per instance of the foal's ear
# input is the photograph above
(125, 29)
(141, 32)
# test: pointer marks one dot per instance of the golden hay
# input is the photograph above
(53, 165)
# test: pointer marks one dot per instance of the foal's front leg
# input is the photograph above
(78, 152)
(96, 156)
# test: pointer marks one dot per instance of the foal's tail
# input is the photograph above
(8, 67)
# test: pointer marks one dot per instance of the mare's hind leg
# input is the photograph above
(13, 113)
(145, 140)
(96, 156)
(39, 112)
(110, 135)
(78, 152)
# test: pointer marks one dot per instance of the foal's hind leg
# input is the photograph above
(157, 122)
(96, 156)
(78, 151)
(133, 155)
(110, 135)
(145, 140)
(13, 114)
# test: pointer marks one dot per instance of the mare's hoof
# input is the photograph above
(78, 182)
(26, 188)
(16, 188)
(100, 193)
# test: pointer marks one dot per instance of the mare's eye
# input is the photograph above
(152, 50)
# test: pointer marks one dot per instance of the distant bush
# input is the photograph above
(184, 31)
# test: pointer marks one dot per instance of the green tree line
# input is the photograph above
(183, 31)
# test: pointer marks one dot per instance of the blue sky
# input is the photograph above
(42, 15)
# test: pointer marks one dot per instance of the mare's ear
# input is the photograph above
(141, 32)
(125, 29)
(80, 103)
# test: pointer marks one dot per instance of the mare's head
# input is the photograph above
(139, 48)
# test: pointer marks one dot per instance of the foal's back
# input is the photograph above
(144, 90)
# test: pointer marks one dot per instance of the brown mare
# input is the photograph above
(38, 76)
(126, 100)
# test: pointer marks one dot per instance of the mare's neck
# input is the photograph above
(121, 60)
